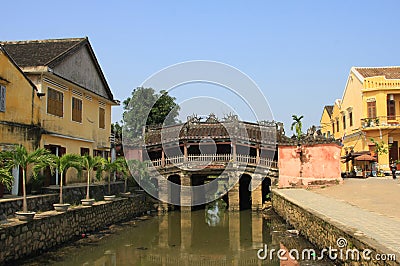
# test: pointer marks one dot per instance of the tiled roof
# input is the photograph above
(244, 131)
(388, 72)
(329, 109)
(39, 52)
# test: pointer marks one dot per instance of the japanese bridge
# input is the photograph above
(197, 152)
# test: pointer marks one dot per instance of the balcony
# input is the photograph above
(381, 122)
(194, 161)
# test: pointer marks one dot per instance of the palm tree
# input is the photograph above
(90, 163)
(297, 125)
(65, 162)
(119, 165)
(6, 177)
(19, 157)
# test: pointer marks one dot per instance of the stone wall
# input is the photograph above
(72, 194)
(324, 233)
(309, 165)
(49, 229)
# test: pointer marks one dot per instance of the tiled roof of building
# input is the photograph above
(388, 72)
(329, 109)
(40, 52)
(50, 53)
(244, 131)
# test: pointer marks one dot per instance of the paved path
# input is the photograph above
(377, 195)
(385, 230)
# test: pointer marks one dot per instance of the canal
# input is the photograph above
(210, 236)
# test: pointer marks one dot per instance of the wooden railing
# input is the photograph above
(221, 158)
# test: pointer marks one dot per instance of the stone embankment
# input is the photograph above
(50, 229)
(332, 224)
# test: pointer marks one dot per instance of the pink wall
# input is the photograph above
(321, 165)
(133, 153)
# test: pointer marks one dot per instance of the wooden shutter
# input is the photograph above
(102, 123)
(55, 100)
(371, 107)
(76, 110)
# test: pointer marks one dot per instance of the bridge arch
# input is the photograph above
(174, 193)
(244, 192)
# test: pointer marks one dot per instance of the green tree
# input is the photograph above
(297, 124)
(146, 107)
(90, 164)
(380, 148)
(20, 157)
(116, 129)
(6, 177)
(119, 165)
(65, 162)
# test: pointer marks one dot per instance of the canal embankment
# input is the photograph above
(50, 229)
(330, 223)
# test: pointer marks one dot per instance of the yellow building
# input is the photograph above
(19, 109)
(369, 109)
(325, 121)
(74, 105)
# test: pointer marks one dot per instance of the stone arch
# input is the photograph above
(265, 188)
(244, 192)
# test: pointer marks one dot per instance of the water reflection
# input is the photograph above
(210, 236)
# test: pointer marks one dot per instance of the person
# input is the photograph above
(394, 168)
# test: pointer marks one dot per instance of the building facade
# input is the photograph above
(73, 100)
(368, 113)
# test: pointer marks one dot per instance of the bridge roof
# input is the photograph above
(239, 130)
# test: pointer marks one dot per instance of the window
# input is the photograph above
(337, 125)
(333, 128)
(2, 98)
(76, 110)
(97, 153)
(351, 118)
(391, 109)
(102, 116)
(344, 122)
(101, 153)
(371, 109)
(85, 151)
(55, 100)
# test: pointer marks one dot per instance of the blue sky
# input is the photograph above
(298, 52)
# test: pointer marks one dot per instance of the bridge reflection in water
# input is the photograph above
(203, 237)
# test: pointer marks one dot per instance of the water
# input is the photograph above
(211, 236)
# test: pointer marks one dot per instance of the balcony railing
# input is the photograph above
(381, 121)
(213, 158)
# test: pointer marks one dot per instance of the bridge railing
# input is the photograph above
(225, 158)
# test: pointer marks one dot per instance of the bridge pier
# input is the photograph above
(233, 194)
(186, 193)
(163, 195)
(256, 194)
